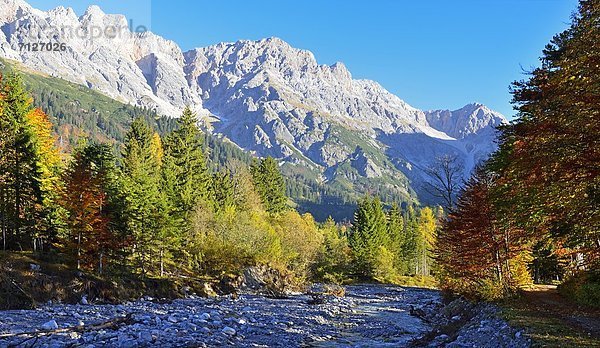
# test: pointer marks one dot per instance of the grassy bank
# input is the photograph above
(417, 281)
(552, 320)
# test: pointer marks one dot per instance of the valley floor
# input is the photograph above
(368, 316)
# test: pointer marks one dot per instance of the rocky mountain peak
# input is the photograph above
(62, 12)
(12, 9)
(465, 121)
(264, 95)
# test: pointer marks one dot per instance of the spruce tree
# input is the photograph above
(187, 179)
(20, 189)
(223, 191)
(411, 230)
(146, 211)
(270, 184)
(369, 233)
(397, 237)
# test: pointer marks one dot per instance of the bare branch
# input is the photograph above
(445, 179)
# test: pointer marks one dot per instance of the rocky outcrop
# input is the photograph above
(365, 166)
(266, 280)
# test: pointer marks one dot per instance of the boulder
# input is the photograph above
(50, 325)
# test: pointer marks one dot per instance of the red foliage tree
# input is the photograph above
(474, 243)
(84, 198)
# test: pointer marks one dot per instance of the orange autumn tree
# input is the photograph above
(475, 247)
(551, 153)
(89, 237)
(47, 167)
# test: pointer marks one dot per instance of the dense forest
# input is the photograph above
(163, 204)
(532, 211)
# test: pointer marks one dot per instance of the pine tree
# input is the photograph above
(270, 184)
(369, 233)
(146, 210)
(186, 174)
(20, 189)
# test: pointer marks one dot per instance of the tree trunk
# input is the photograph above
(79, 250)
(100, 262)
(3, 214)
(498, 265)
(17, 188)
(507, 256)
(162, 269)
(3, 230)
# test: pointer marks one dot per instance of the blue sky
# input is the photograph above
(433, 54)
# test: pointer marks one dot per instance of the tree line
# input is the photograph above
(163, 206)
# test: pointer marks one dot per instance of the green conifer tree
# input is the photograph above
(369, 233)
(270, 184)
(397, 237)
(186, 176)
(411, 230)
(20, 188)
(146, 207)
(223, 191)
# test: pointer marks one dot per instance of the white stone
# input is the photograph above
(229, 331)
(50, 325)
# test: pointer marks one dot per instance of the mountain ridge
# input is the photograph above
(264, 95)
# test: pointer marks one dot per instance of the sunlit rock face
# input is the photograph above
(265, 95)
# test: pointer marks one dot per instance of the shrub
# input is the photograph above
(234, 240)
(520, 274)
(383, 266)
(583, 288)
(334, 258)
(490, 290)
(484, 287)
(300, 241)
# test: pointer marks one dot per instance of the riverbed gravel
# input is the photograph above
(368, 316)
